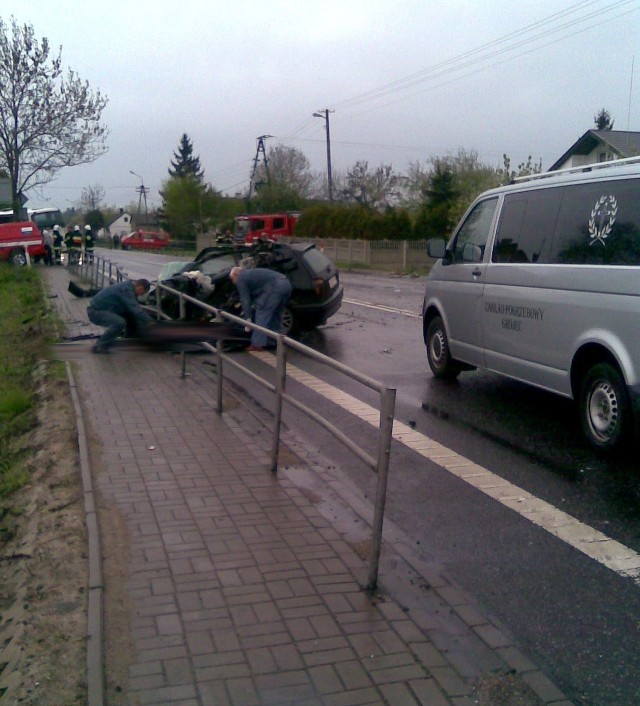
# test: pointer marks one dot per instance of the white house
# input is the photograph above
(120, 226)
(599, 146)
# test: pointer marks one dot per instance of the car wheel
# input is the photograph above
(440, 361)
(18, 257)
(605, 411)
(287, 323)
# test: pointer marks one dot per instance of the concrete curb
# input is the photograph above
(95, 597)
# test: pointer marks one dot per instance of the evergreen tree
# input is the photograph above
(184, 163)
(603, 120)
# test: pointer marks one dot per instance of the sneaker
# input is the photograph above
(99, 349)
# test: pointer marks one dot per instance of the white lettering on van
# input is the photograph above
(603, 216)
(517, 312)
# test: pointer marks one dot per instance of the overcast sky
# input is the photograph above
(406, 80)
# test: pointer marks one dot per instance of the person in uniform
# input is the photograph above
(58, 242)
(88, 240)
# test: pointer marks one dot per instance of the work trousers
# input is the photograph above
(269, 310)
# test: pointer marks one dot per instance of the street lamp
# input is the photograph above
(142, 194)
(325, 115)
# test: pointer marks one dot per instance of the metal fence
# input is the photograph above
(397, 254)
(96, 270)
(101, 272)
(378, 462)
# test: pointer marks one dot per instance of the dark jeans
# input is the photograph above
(116, 325)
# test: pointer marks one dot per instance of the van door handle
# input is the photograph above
(476, 273)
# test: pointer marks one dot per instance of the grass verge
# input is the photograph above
(25, 332)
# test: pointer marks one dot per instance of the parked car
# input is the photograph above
(145, 240)
(316, 289)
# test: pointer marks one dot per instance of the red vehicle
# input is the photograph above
(18, 239)
(251, 227)
(145, 240)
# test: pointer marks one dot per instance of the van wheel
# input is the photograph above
(17, 257)
(440, 361)
(605, 411)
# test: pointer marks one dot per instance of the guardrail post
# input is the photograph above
(219, 380)
(281, 374)
(387, 412)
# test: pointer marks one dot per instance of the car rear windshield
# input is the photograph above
(217, 264)
(318, 262)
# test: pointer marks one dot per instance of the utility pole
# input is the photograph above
(142, 194)
(325, 115)
(260, 149)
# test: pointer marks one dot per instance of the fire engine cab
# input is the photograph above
(21, 242)
(251, 227)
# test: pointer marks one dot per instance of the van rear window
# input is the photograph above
(599, 224)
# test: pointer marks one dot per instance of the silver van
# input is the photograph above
(541, 282)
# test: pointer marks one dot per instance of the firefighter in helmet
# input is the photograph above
(58, 242)
(88, 239)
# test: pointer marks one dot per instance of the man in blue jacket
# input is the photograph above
(264, 294)
(112, 307)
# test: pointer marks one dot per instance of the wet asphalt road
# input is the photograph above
(576, 618)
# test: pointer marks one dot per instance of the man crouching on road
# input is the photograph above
(111, 307)
(265, 291)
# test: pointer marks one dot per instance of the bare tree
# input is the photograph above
(47, 120)
(92, 197)
(374, 190)
(288, 169)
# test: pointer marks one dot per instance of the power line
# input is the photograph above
(491, 49)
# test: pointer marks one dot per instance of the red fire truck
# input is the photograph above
(252, 226)
(20, 242)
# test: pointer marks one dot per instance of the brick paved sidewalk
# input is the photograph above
(240, 592)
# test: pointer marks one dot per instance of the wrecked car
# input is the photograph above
(316, 289)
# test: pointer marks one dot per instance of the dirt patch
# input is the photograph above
(43, 569)
(44, 572)
(504, 689)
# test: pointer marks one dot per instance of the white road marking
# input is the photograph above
(383, 307)
(591, 542)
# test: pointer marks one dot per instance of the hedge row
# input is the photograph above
(355, 223)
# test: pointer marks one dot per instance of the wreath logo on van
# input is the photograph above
(603, 216)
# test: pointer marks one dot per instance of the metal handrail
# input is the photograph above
(100, 274)
(387, 395)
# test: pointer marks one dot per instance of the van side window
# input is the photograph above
(475, 231)
(527, 222)
(599, 224)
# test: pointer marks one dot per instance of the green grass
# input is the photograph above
(25, 332)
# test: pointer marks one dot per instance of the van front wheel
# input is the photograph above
(605, 412)
(440, 361)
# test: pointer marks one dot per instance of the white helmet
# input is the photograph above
(56, 229)
(76, 228)
(87, 227)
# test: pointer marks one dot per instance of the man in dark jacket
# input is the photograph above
(264, 294)
(112, 307)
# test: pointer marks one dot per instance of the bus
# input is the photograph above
(44, 218)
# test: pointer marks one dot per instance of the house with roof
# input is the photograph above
(599, 146)
(122, 225)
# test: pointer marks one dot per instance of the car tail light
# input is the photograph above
(318, 286)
